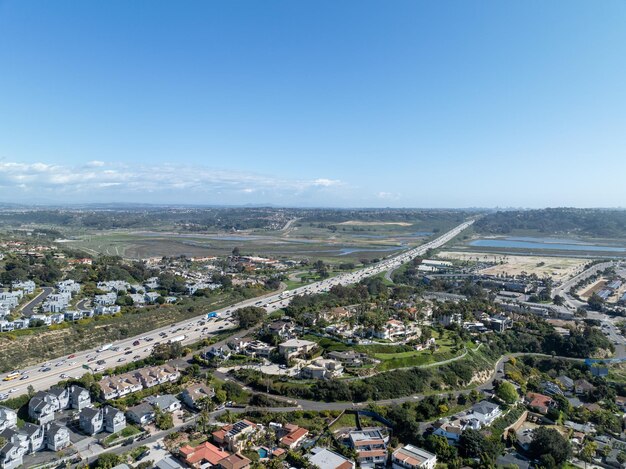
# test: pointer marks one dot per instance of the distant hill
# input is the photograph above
(601, 223)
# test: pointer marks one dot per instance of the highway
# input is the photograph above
(44, 375)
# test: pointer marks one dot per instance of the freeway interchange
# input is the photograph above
(47, 374)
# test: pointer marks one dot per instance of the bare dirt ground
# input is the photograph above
(557, 268)
(595, 287)
(374, 223)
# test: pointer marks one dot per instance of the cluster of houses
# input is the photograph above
(115, 386)
(56, 307)
(45, 409)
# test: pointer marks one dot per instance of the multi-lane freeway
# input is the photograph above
(101, 357)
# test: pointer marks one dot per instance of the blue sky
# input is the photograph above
(314, 103)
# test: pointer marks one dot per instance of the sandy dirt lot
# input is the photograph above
(558, 268)
(374, 223)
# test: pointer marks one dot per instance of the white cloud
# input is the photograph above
(388, 196)
(326, 182)
(169, 181)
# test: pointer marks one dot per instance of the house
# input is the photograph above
(449, 319)
(91, 421)
(42, 407)
(165, 403)
(327, 459)
(294, 437)
(451, 430)
(72, 315)
(8, 418)
(114, 419)
(322, 368)
(513, 460)
(582, 386)
(371, 447)
(151, 297)
(14, 449)
(539, 402)
(500, 323)
(235, 461)
(62, 395)
(394, 329)
(155, 375)
(281, 328)
(169, 463)
(349, 358)
(565, 382)
(142, 413)
(79, 398)
(204, 455)
(112, 387)
(233, 435)
(35, 436)
(412, 457)
(295, 347)
(193, 394)
(483, 414)
(257, 348)
(57, 437)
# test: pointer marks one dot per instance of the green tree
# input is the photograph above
(507, 392)
(249, 316)
(588, 452)
(549, 443)
(107, 461)
(163, 420)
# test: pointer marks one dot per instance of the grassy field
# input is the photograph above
(346, 242)
(398, 356)
(348, 420)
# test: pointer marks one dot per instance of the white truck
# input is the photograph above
(104, 348)
(178, 338)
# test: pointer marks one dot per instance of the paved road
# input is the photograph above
(563, 289)
(29, 308)
(45, 375)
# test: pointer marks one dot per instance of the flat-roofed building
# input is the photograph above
(412, 457)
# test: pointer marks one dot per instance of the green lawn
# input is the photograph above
(125, 433)
(399, 356)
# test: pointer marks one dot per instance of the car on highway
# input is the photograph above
(126, 349)
(71, 356)
(121, 359)
(101, 362)
(23, 377)
(136, 357)
(135, 343)
(72, 363)
(12, 390)
(45, 369)
(63, 376)
(3, 396)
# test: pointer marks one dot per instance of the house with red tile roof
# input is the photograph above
(539, 402)
(201, 455)
(295, 436)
